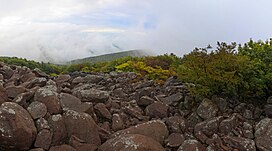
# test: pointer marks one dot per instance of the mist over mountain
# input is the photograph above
(113, 56)
(61, 30)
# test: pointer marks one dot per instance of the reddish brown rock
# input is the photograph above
(69, 102)
(117, 122)
(1, 77)
(105, 126)
(17, 129)
(176, 124)
(82, 126)
(57, 125)
(155, 129)
(134, 111)
(27, 77)
(37, 149)
(228, 125)
(3, 95)
(145, 101)
(206, 129)
(207, 109)
(40, 73)
(48, 96)
(191, 145)
(37, 110)
(81, 145)
(34, 82)
(62, 148)
(7, 72)
(92, 95)
(102, 111)
(131, 142)
(43, 139)
(23, 99)
(240, 143)
(263, 133)
(42, 123)
(13, 91)
(62, 78)
(157, 110)
(174, 140)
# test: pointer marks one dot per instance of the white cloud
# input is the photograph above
(60, 30)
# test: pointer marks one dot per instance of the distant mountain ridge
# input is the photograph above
(112, 56)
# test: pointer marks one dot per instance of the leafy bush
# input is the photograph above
(221, 71)
(260, 54)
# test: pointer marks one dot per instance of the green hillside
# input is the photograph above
(111, 57)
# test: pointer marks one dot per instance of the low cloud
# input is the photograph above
(62, 30)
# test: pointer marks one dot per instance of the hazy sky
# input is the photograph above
(59, 30)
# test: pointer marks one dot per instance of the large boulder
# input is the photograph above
(49, 97)
(69, 102)
(263, 134)
(82, 126)
(131, 142)
(13, 91)
(17, 129)
(57, 126)
(155, 129)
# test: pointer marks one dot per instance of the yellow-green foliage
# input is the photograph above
(144, 70)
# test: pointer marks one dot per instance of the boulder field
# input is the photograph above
(122, 112)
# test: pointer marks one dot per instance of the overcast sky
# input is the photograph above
(61, 30)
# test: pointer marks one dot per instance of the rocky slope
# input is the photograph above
(122, 112)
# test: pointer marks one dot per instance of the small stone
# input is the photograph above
(268, 110)
(174, 140)
(117, 122)
(207, 109)
(145, 101)
(157, 110)
(42, 123)
(191, 145)
(101, 110)
(176, 124)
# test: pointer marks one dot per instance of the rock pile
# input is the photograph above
(122, 112)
